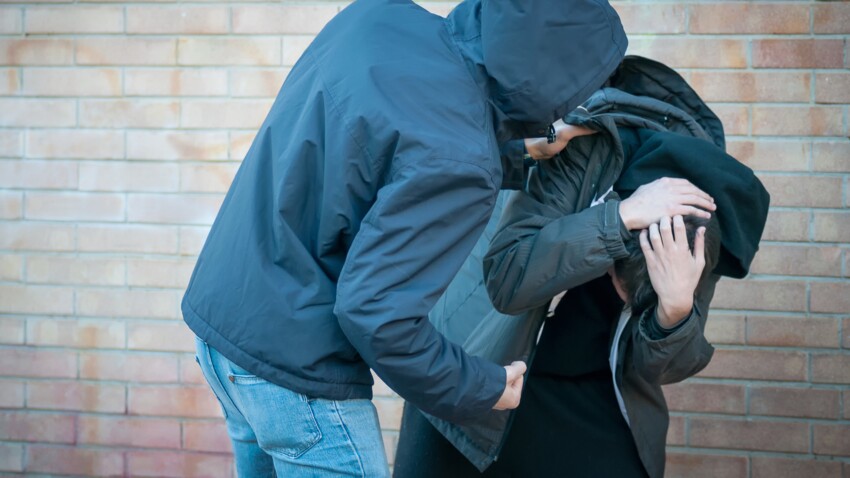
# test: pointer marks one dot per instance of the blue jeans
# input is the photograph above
(276, 430)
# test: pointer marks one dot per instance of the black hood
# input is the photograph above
(538, 60)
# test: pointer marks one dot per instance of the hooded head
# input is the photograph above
(540, 59)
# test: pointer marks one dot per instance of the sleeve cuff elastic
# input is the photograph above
(515, 165)
(613, 230)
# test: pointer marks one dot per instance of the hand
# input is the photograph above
(540, 148)
(513, 387)
(673, 270)
(665, 197)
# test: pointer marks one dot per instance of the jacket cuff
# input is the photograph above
(649, 328)
(514, 164)
(613, 228)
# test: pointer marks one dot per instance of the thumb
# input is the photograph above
(515, 371)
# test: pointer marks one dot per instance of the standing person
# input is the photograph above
(364, 191)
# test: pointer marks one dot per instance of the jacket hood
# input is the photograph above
(538, 60)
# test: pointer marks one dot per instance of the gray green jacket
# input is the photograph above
(548, 239)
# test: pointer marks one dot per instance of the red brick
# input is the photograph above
(240, 143)
(380, 388)
(725, 329)
(53, 269)
(10, 81)
(389, 412)
(832, 17)
(294, 46)
(11, 394)
(798, 260)
(288, 19)
(772, 155)
(206, 436)
(831, 439)
(81, 333)
(678, 52)
(757, 365)
(173, 401)
(777, 467)
(832, 88)
(652, 18)
(749, 435)
(797, 121)
(132, 432)
(749, 18)
(830, 297)
(787, 226)
(126, 238)
(135, 113)
(76, 19)
(794, 402)
(182, 20)
(177, 145)
(119, 302)
(706, 397)
(12, 331)
(39, 363)
(11, 457)
(828, 368)
(190, 372)
(803, 191)
(28, 236)
(832, 227)
(783, 53)
(175, 82)
(792, 331)
(76, 461)
(832, 157)
(129, 367)
(682, 465)
(76, 396)
(760, 295)
(36, 51)
(676, 432)
(390, 445)
(198, 209)
(845, 331)
(224, 113)
(178, 464)
(172, 337)
(159, 273)
(36, 299)
(735, 118)
(37, 427)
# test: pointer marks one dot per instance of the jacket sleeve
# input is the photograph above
(411, 243)
(681, 354)
(543, 247)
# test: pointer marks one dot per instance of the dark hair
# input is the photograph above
(634, 276)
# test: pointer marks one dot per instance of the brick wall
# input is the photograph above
(121, 126)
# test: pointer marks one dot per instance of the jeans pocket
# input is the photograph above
(282, 419)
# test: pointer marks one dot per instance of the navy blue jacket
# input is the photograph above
(369, 183)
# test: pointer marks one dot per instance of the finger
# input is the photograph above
(666, 228)
(648, 253)
(691, 211)
(515, 371)
(703, 202)
(679, 231)
(699, 248)
(655, 237)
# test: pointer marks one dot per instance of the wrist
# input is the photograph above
(625, 214)
(670, 314)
